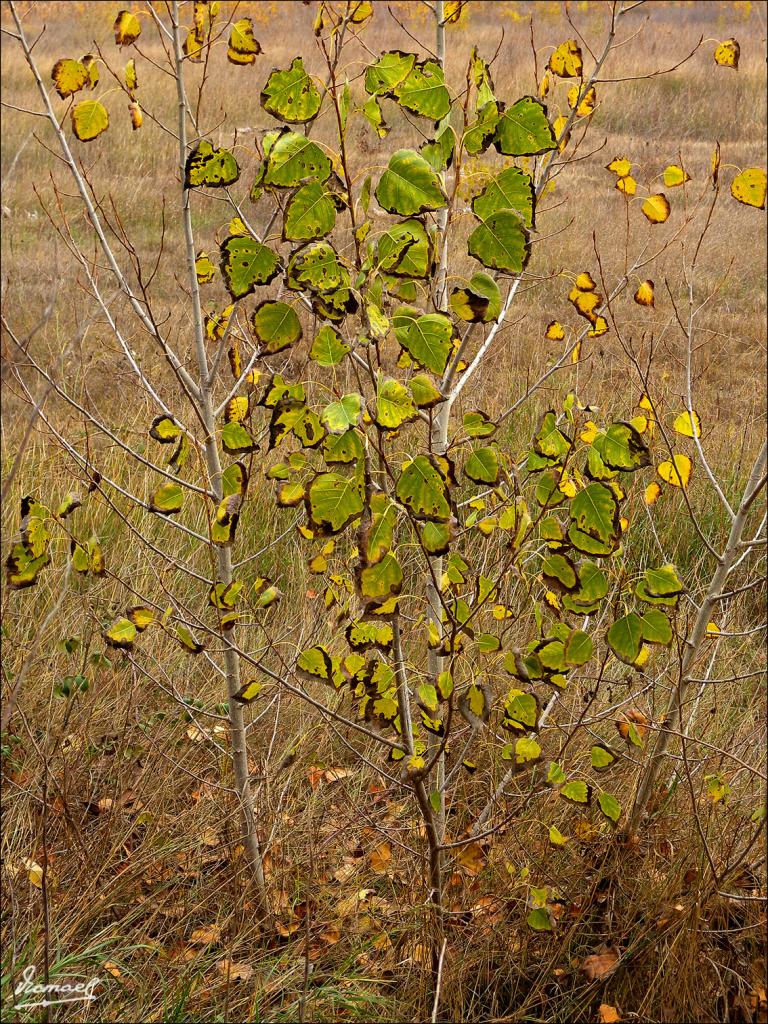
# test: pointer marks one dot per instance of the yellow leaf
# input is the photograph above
(677, 471)
(127, 28)
(380, 858)
(566, 60)
(715, 164)
(137, 117)
(727, 54)
(687, 425)
(555, 331)
(588, 101)
(600, 328)
(585, 282)
(89, 120)
(640, 423)
(627, 185)
(69, 76)
(652, 492)
(553, 600)
(236, 227)
(576, 354)
(556, 837)
(589, 433)
(749, 187)
(608, 1014)
(544, 87)
(205, 936)
(656, 208)
(713, 629)
(674, 175)
(34, 871)
(471, 859)
(620, 166)
(557, 127)
(644, 294)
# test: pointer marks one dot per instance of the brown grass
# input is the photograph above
(116, 785)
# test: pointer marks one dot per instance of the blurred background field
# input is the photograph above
(144, 847)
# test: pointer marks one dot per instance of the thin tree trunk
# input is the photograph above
(213, 466)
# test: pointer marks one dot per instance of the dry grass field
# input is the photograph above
(119, 793)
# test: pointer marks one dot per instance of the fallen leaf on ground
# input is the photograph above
(205, 936)
(601, 965)
(608, 1014)
(381, 856)
(235, 971)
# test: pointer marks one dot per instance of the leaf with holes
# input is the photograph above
(290, 95)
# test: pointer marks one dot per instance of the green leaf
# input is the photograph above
(328, 349)
(381, 581)
(510, 190)
(521, 711)
(610, 807)
(594, 514)
(167, 499)
(235, 439)
(339, 416)
(423, 489)
(622, 447)
(601, 756)
(23, 566)
(482, 466)
(549, 441)
(214, 168)
(427, 340)
(404, 250)
(315, 663)
(342, 449)
(291, 95)
(437, 537)
(310, 213)
(439, 152)
(480, 132)
(477, 302)
(657, 628)
(121, 634)
(293, 158)
(276, 326)
(523, 129)
(333, 501)
(363, 635)
(246, 263)
(660, 586)
(316, 266)
(89, 120)
(593, 586)
(186, 640)
(556, 837)
(578, 648)
(560, 572)
(539, 920)
(625, 638)
(555, 774)
(371, 111)
(477, 424)
(423, 91)
(409, 185)
(424, 392)
(527, 751)
(394, 405)
(501, 242)
(388, 71)
(577, 792)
